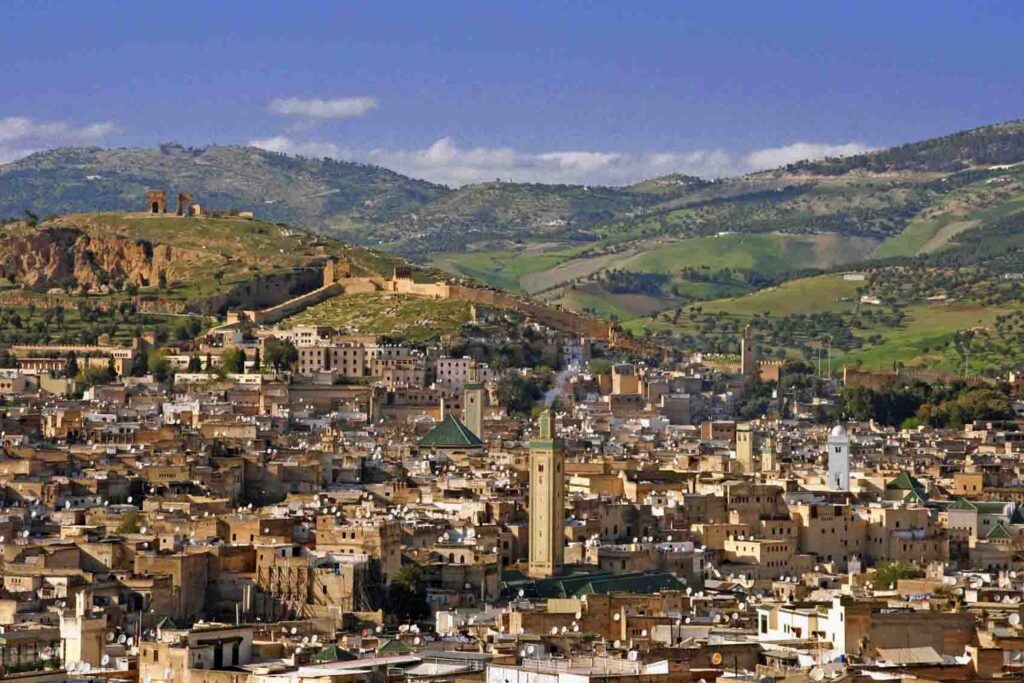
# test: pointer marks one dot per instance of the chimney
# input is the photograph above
(442, 410)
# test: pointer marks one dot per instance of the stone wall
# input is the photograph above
(565, 321)
(269, 316)
(878, 379)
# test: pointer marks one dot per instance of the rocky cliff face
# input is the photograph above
(52, 257)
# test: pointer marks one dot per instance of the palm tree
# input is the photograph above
(410, 576)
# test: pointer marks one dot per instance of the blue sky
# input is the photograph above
(456, 92)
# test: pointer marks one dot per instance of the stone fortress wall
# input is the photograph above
(339, 282)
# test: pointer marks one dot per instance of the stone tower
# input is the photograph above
(748, 354)
(473, 407)
(769, 458)
(156, 201)
(83, 634)
(547, 501)
(745, 448)
(839, 459)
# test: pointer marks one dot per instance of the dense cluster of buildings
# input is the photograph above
(376, 513)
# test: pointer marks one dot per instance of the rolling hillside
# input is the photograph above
(318, 193)
(934, 224)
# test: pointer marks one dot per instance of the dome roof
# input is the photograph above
(838, 430)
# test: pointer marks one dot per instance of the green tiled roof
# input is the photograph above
(905, 482)
(596, 583)
(999, 532)
(915, 497)
(451, 433)
(914, 488)
(394, 647)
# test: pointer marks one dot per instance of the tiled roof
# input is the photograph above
(596, 583)
(451, 433)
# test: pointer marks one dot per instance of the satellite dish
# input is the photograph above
(105, 659)
(110, 637)
(531, 649)
(131, 641)
(617, 644)
(817, 675)
(1014, 619)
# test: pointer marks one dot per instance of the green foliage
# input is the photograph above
(406, 596)
(130, 523)
(518, 393)
(92, 376)
(281, 354)
(935, 404)
(974, 404)
(888, 574)
(71, 365)
(158, 365)
(628, 282)
(232, 360)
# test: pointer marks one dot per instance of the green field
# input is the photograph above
(411, 318)
(502, 269)
(768, 254)
(803, 296)
(929, 234)
(922, 339)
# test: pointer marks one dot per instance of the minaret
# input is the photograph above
(473, 404)
(82, 633)
(839, 459)
(745, 448)
(748, 354)
(547, 501)
(768, 456)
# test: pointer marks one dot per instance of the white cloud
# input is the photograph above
(798, 151)
(21, 136)
(446, 162)
(336, 108)
(313, 150)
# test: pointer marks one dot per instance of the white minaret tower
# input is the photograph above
(839, 459)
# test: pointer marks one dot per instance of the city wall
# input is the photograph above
(567, 321)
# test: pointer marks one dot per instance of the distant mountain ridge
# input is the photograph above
(311, 192)
(874, 194)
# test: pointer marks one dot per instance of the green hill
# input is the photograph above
(318, 193)
(198, 264)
